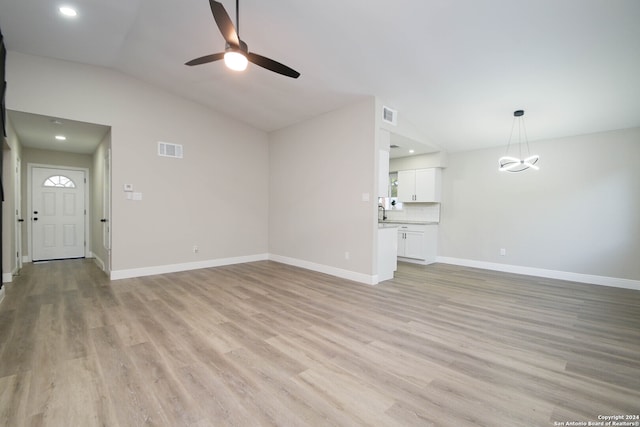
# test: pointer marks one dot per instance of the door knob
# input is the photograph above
(35, 212)
(103, 220)
(35, 219)
(20, 220)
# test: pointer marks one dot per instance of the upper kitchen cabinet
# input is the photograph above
(419, 185)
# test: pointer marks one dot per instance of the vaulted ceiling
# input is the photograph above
(456, 69)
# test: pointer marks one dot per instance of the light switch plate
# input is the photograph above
(137, 196)
(128, 187)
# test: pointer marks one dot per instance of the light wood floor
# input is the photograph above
(269, 344)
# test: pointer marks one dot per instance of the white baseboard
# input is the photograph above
(415, 261)
(99, 263)
(173, 268)
(541, 272)
(8, 277)
(326, 269)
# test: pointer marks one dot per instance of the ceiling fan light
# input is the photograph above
(235, 60)
(68, 11)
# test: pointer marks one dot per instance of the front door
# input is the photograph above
(58, 213)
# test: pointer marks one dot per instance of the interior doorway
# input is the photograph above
(63, 143)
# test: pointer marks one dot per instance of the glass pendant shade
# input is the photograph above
(514, 160)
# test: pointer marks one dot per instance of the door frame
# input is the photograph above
(106, 209)
(87, 204)
(18, 225)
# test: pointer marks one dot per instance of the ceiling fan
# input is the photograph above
(236, 54)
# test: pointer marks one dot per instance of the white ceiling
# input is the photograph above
(36, 131)
(455, 69)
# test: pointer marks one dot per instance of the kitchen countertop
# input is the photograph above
(387, 225)
(399, 222)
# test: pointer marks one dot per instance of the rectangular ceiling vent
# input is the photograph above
(390, 116)
(394, 146)
(166, 149)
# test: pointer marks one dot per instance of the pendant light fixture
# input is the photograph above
(509, 162)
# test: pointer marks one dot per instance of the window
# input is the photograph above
(59, 181)
(392, 203)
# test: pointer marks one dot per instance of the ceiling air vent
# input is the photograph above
(394, 146)
(166, 149)
(390, 116)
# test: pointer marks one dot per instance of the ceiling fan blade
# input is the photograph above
(225, 24)
(272, 65)
(205, 59)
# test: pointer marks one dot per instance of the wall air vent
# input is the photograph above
(390, 116)
(166, 149)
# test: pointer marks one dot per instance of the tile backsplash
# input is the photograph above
(429, 212)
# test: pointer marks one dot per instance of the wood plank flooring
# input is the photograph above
(264, 344)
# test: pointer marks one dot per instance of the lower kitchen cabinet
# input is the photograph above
(418, 242)
(411, 244)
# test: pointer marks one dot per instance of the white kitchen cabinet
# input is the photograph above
(387, 252)
(410, 244)
(430, 243)
(418, 242)
(419, 185)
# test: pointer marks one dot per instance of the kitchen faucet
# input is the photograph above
(384, 212)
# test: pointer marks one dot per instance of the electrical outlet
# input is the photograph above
(195, 249)
(503, 252)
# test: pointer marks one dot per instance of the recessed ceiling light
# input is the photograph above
(56, 121)
(411, 151)
(68, 11)
(61, 137)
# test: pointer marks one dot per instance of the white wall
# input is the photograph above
(579, 213)
(216, 197)
(319, 170)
